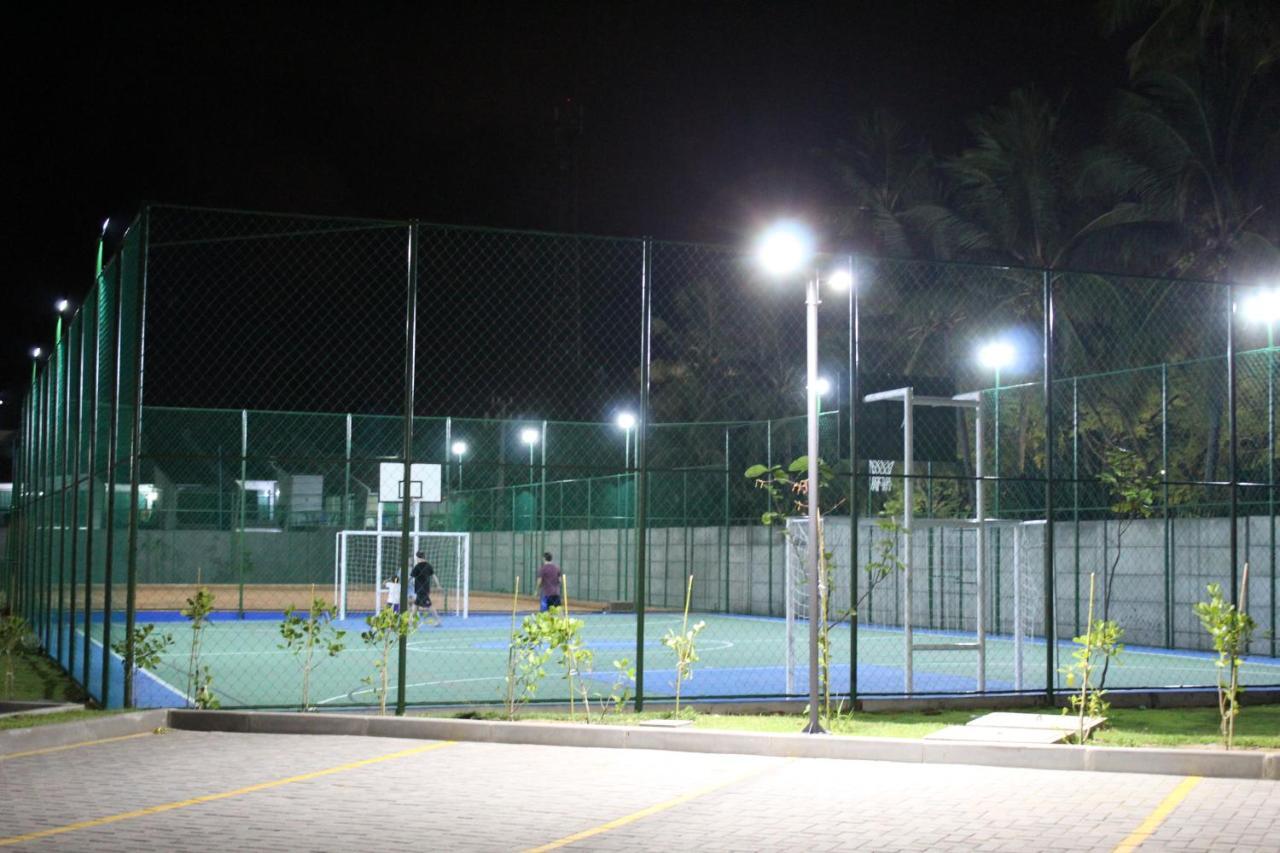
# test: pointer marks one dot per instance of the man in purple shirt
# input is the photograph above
(549, 582)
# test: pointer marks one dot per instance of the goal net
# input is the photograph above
(366, 559)
(955, 604)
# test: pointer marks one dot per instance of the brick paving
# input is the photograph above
(473, 796)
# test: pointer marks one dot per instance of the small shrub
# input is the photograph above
(305, 635)
(386, 627)
(1097, 646)
(624, 679)
(1231, 630)
(148, 649)
(15, 638)
(198, 609)
(684, 644)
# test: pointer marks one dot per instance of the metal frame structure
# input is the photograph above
(960, 401)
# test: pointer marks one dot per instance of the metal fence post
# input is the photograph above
(410, 360)
(642, 461)
(1050, 627)
(90, 488)
(855, 395)
(113, 432)
(135, 468)
(1233, 442)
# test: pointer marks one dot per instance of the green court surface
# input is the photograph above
(464, 662)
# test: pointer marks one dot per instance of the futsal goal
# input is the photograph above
(364, 560)
(968, 606)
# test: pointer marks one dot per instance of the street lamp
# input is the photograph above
(995, 356)
(1264, 307)
(62, 305)
(626, 422)
(459, 449)
(786, 249)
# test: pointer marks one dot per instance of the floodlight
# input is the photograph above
(996, 355)
(36, 352)
(822, 386)
(529, 436)
(841, 279)
(626, 421)
(459, 448)
(1263, 306)
(105, 223)
(62, 305)
(785, 248)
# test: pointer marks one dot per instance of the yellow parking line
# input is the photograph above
(1157, 817)
(49, 749)
(209, 798)
(651, 810)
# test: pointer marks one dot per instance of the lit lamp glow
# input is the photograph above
(529, 436)
(459, 449)
(626, 422)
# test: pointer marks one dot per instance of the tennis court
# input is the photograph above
(464, 661)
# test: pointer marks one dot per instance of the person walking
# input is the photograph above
(549, 575)
(424, 575)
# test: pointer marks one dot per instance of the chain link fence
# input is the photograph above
(219, 411)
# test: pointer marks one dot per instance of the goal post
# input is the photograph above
(956, 548)
(366, 559)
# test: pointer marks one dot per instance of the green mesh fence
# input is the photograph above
(237, 440)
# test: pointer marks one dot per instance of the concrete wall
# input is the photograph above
(742, 569)
(745, 567)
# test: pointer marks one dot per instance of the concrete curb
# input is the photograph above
(1179, 762)
(15, 709)
(79, 731)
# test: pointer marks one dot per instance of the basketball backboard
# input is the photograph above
(424, 482)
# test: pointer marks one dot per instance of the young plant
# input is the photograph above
(1231, 630)
(1100, 641)
(623, 680)
(540, 637)
(574, 655)
(1133, 496)
(684, 644)
(198, 610)
(15, 638)
(785, 488)
(309, 634)
(386, 627)
(148, 648)
(517, 692)
(527, 657)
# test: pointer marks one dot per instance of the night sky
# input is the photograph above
(697, 120)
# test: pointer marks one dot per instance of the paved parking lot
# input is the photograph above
(217, 791)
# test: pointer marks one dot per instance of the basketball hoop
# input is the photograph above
(881, 474)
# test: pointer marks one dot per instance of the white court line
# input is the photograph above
(391, 688)
(166, 685)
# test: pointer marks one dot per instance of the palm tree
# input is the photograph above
(889, 179)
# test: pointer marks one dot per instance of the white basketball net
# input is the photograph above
(881, 474)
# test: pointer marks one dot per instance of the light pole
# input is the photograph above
(785, 250)
(994, 356)
(626, 422)
(1264, 307)
(459, 449)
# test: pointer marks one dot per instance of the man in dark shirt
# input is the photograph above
(549, 582)
(423, 574)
